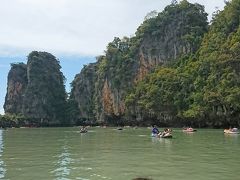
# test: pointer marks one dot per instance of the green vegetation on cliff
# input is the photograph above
(45, 96)
(159, 40)
(37, 91)
(203, 89)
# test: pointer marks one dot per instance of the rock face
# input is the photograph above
(82, 91)
(174, 33)
(160, 50)
(17, 83)
(37, 90)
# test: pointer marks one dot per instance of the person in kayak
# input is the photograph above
(165, 132)
(155, 130)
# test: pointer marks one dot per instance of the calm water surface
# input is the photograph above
(64, 154)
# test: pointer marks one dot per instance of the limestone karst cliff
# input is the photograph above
(82, 92)
(36, 90)
(160, 40)
(16, 87)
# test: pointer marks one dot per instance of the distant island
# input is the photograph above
(177, 70)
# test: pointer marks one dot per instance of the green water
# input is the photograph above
(64, 153)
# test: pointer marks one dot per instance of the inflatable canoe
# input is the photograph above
(189, 130)
(231, 131)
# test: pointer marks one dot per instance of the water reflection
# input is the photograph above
(231, 138)
(162, 140)
(231, 135)
(62, 171)
(2, 165)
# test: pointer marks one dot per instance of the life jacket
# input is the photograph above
(155, 131)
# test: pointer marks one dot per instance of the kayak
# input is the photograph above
(227, 131)
(166, 135)
(189, 130)
(83, 131)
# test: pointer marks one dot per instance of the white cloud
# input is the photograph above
(72, 26)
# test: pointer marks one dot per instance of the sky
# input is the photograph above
(75, 31)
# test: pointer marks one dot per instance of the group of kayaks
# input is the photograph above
(167, 133)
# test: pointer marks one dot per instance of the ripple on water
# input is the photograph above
(60, 155)
(99, 176)
(142, 135)
(80, 178)
(85, 168)
(2, 164)
(63, 164)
